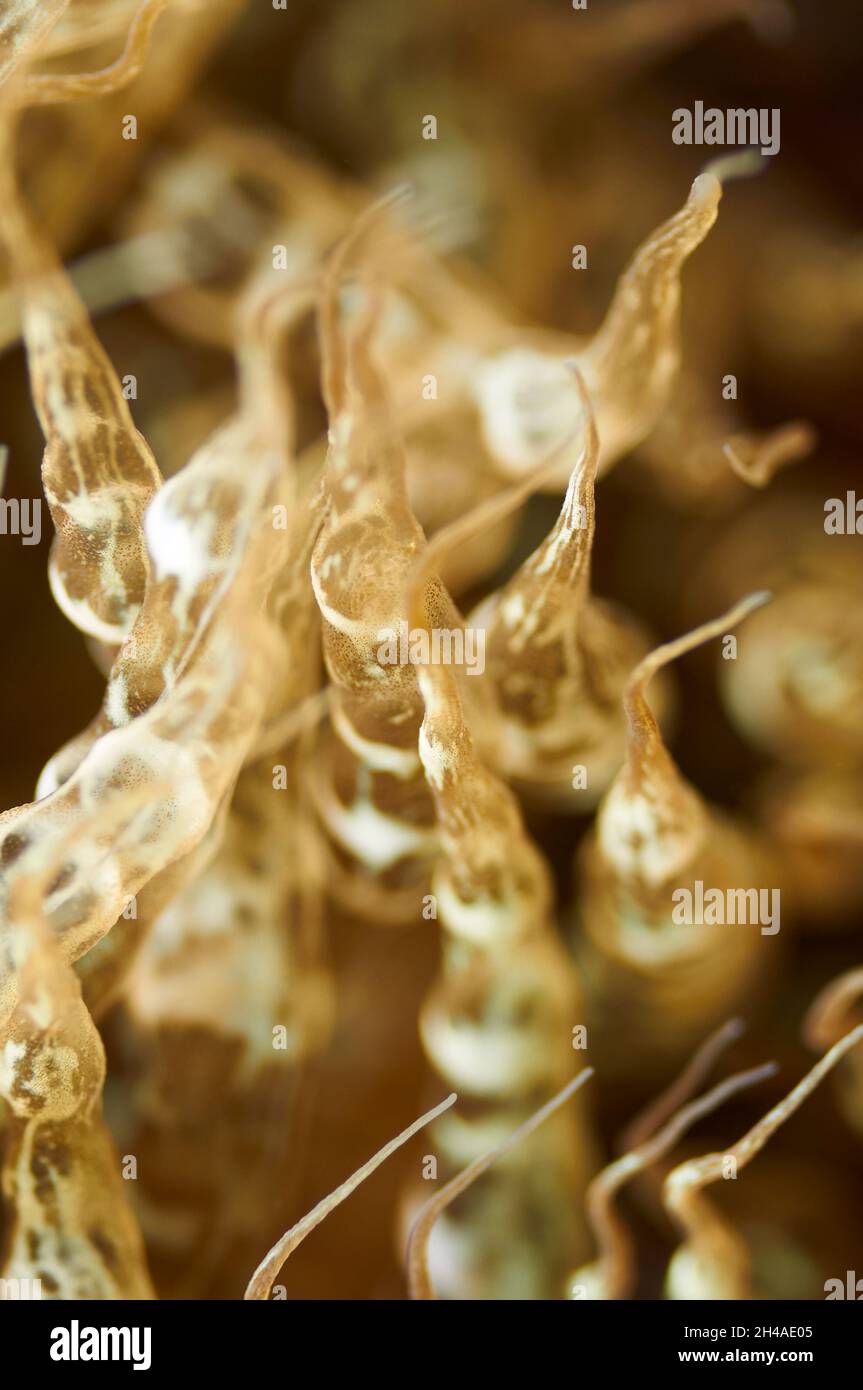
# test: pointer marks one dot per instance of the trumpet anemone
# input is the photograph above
(290, 421)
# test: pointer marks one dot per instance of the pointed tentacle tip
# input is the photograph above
(397, 198)
(755, 600)
(670, 651)
(402, 191)
(741, 164)
(420, 1282)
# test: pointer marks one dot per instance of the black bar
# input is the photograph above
(282, 1337)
